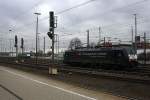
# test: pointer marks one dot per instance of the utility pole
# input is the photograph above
(104, 41)
(135, 18)
(10, 42)
(22, 45)
(38, 42)
(44, 46)
(145, 48)
(58, 43)
(88, 39)
(36, 35)
(132, 34)
(10, 46)
(99, 34)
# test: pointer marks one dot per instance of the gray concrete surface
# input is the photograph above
(5, 95)
(34, 87)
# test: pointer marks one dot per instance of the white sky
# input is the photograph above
(115, 17)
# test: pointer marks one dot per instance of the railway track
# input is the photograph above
(123, 75)
(81, 70)
(141, 74)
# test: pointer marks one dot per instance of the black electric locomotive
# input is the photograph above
(115, 57)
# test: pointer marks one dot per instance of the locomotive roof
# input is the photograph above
(97, 49)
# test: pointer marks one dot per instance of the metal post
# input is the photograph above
(36, 35)
(44, 46)
(22, 45)
(22, 50)
(16, 51)
(145, 48)
(10, 42)
(36, 38)
(38, 42)
(87, 38)
(99, 35)
(132, 34)
(104, 41)
(135, 32)
(53, 46)
(10, 47)
(58, 44)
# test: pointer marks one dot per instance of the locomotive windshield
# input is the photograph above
(130, 50)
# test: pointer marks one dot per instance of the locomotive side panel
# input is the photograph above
(112, 58)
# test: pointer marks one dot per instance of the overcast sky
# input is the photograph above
(115, 17)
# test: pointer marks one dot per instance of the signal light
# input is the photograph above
(52, 20)
(50, 34)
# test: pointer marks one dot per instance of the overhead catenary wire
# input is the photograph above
(76, 6)
(83, 4)
(96, 28)
(60, 12)
(121, 25)
(63, 11)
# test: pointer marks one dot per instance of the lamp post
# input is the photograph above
(37, 14)
(135, 18)
(10, 42)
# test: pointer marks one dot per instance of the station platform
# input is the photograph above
(30, 86)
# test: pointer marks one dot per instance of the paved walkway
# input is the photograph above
(32, 87)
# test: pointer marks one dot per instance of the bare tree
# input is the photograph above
(49, 53)
(92, 44)
(75, 43)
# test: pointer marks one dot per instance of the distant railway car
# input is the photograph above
(114, 57)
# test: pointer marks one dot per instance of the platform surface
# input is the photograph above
(29, 86)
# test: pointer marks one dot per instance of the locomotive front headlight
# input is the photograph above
(133, 57)
(130, 57)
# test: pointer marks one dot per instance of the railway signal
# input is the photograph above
(16, 46)
(52, 25)
(22, 44)
(16, 41)
(52, 20)
(50, 33)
